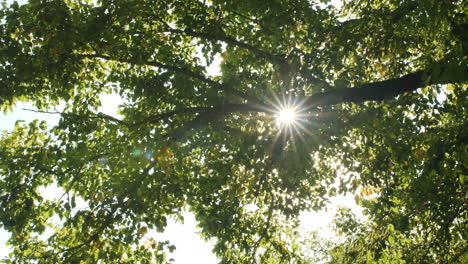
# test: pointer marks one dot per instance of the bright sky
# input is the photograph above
(190, 247)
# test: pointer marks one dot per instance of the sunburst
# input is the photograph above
(286, 117)
(291, 118)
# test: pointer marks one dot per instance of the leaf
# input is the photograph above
(142, 230)
(369, 126)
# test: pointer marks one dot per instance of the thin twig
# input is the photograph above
(265, 231)
(98, 116)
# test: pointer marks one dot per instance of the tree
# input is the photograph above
(379, 88)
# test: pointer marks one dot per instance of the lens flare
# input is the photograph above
(286, 116)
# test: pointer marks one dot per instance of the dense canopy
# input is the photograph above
(378, 88)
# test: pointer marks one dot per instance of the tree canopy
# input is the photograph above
(379, 90)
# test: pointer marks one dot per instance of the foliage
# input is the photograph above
(380, 91)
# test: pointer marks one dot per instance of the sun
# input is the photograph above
(286, 117)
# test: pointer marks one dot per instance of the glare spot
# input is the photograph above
(136, 152)
(148, 155)
(286, 116)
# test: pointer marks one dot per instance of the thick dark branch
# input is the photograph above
(381, 90)
(368, 92)
(214, 112)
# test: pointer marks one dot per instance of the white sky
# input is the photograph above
(191, 248)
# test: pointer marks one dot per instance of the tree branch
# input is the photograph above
(265, 231)
(381, 90)
(179, 70)
(98, 116)
(221, 36)
(212, 111)
(215, 113)
(394, 16)
(274, 58)
(93, 237)
(367, 92)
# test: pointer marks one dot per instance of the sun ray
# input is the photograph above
(302, 128)
(292, 118)
(293, 139)
(297, 131)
